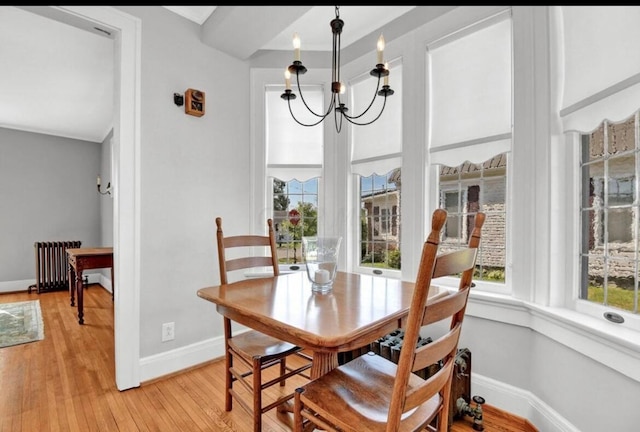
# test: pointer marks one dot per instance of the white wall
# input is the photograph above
(192, 170)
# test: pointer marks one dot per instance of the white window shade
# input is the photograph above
(293, 151)
(377, 148)
(601, 64)
(470, 95)
(476, 152)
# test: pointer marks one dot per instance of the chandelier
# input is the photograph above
(336, 106)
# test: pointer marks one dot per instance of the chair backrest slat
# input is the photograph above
(246, 240)
(445, 307)
(435, 382)
(435, 351)
(248, 262)
(454, 262)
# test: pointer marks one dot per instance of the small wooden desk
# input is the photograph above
(358, 310)
(81, 259)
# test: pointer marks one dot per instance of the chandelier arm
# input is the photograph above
(322, 116)
(304, 124)
(367, 110)
(350, 119)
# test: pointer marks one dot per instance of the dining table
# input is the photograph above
(358, 309)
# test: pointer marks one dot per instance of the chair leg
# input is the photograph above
(257, 396)
(297, 411)
(443, 416)
(228, 400)
(283, 370)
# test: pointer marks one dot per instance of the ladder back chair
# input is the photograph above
(249, 353)
(371, 393)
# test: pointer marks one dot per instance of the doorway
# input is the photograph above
(126, 182)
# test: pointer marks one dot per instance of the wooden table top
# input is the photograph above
(89, 251)
(358, 310)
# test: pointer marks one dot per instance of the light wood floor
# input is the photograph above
(66, 382)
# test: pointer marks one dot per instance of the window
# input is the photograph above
(471, 120)
(376, 158)
(609, 215)
(294, 165)
(380, 220)
(600, 123)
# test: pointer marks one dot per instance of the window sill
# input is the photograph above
(607, 343)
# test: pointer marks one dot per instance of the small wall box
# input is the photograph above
(194, 102)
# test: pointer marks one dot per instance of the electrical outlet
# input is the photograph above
(168, 331)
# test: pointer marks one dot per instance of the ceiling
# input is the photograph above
(57, 71)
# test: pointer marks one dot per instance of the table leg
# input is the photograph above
(72, 284)
(323, 362)
(113, 284)
(80, 294)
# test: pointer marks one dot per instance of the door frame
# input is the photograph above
(126, 32)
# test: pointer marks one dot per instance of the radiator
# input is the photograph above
(51, 265)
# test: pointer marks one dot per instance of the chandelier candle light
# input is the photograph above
(337, 87)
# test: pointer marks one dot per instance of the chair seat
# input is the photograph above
(362, 388)
(252, 344)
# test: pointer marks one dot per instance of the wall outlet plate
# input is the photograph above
(168, 331)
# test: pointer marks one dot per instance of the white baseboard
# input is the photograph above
(12, 286)
(23, 285)
(181, 358)
(102, 280)
(521, 403)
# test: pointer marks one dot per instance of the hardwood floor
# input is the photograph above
(66, 382)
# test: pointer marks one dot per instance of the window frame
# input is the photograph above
(480, 285)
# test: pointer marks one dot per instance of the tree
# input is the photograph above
(280, 199)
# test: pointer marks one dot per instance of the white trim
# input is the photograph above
(18, 285)
(599, 340)
(470, 29)
(126, 185)
(178, 359)
(521, 403)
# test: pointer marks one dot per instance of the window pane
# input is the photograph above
(295, 214)
(622, 179)
(380, 220)
(465, 190)
(620, 233)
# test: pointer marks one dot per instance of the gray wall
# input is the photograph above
(47, 193)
